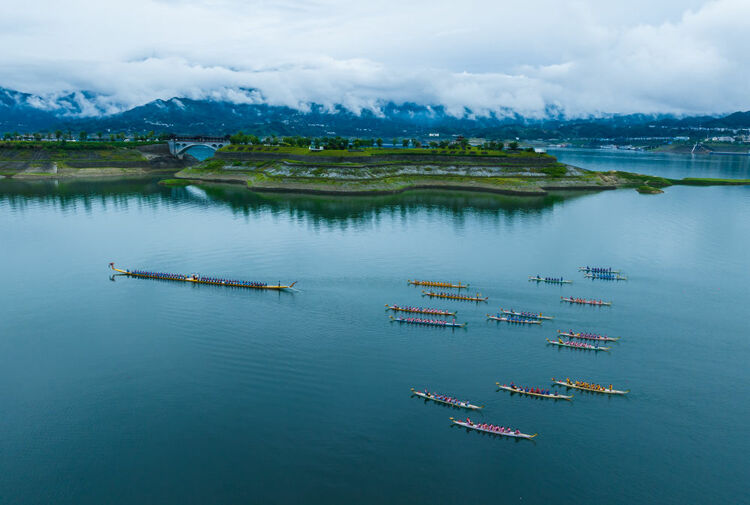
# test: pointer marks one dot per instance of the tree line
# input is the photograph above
(83, 136)
(341, 143)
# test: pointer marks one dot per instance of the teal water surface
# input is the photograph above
(664, 164)
(123, 390)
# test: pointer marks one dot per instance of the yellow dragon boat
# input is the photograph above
(436, 284)
(199, 279)
(600, 389)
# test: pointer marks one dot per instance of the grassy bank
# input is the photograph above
(695, 181)
(524, 174)
(648, 190)
(175, 182)
(85, 159)
(390, 171)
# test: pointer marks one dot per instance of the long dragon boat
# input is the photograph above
(607, 277)
(199, 279)
(588, 336)
(530, 315)
(493, 430)
(428, 322)
(513, 319)
(598, 270)
(421, 310)
(605, 391)
(515, 389)
(577, 345)
(583, 301)
(452, 296)
(442, 399)
(550, 280)
(438, 284)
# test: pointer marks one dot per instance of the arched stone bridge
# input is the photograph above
(178, 145)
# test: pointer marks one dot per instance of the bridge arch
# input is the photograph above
(181, 147)
(178, 145)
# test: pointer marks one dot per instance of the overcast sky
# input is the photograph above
(584, 56)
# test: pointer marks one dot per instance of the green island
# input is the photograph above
(361, 171)
(645, 189)
(369, 171)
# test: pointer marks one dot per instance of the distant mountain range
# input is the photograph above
(86, 111)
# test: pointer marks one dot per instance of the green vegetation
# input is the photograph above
(520, 186)
(73, 146)
(555, 170)
(695, 181)
(25, 159)
(648, 190)
(375, 151)
(175, 182)
(343, 144)
(635, 180)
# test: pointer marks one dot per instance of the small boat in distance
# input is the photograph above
(583, 301)
(531, 315)
(493, 430)
(447, 400)
(594, 388)
(199, 279)
(438, 284)
(421, 310)
(577, 345)
(451, 296)
(607, 277)
(428, 322)
(550, 280)
(588, 336)
(598, 270)
(517, 320)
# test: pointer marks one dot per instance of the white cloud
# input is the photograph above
(583, 56)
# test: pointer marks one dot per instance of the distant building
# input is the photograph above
(433, 134)
(315, 148)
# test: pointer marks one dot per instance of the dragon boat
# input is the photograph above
(456, 403)
(421, 310)
(588, 336)
(549, 280)
(428, 322)
(598, 270)
(198, 279)
(521, 391)
(604, 391)
(513, 320)
(530, 315)
(607, 277)
(573, 345)
(450, 296)
(583, 301)
(480, 427)
(437, 284)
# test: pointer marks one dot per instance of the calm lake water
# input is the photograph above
(121, 390)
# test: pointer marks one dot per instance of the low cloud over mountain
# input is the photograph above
(480, 58)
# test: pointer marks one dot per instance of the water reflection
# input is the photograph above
(69, 195)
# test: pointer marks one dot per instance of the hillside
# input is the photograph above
(40, 159)
(85, 111)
